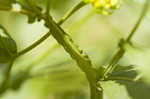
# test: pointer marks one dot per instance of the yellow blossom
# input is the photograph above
(104, 6)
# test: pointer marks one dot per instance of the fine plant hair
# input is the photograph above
(94, 75)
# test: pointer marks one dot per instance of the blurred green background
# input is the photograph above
(55, 75)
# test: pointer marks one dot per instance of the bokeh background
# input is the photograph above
(54, 75)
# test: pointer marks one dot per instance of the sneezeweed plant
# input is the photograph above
(8, 48)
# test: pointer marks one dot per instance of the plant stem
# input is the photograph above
(96, 90)
(143, 14)
(114, 60)
(77, 7)
(121, 51)
(82, 59)
(53, 47)
(73, 10)
(77, 54)
(33, 45)
(48, 7)
(3, 85)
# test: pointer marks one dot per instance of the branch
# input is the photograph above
(73, 10)
(121, 51)
(48, 7)
(115, 59)
(77, 54)
(35, 44)
(143, 14)
(48, 51)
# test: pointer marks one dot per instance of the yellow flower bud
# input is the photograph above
(104, 6)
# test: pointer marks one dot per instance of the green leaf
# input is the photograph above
(8, 48)
(124, 71)
(136, 90)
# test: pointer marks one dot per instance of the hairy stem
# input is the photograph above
(55, 46)
(77, 54)
(77, 7)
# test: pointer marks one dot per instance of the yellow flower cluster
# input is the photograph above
(104, 6)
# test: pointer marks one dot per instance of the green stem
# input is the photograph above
(143, 14)
(48, 7)
(26, 10)
(65, 40)
(77, 54)
(115, 59)
(3, 85)
(51, 49)
(55, 46)
(82, 59)
(121, 51)
(33, 45)
(76, 8)
(96, 90)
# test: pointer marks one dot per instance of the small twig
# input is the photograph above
(73, 10)
(143, 14)
(33, 45)
(48, 7)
